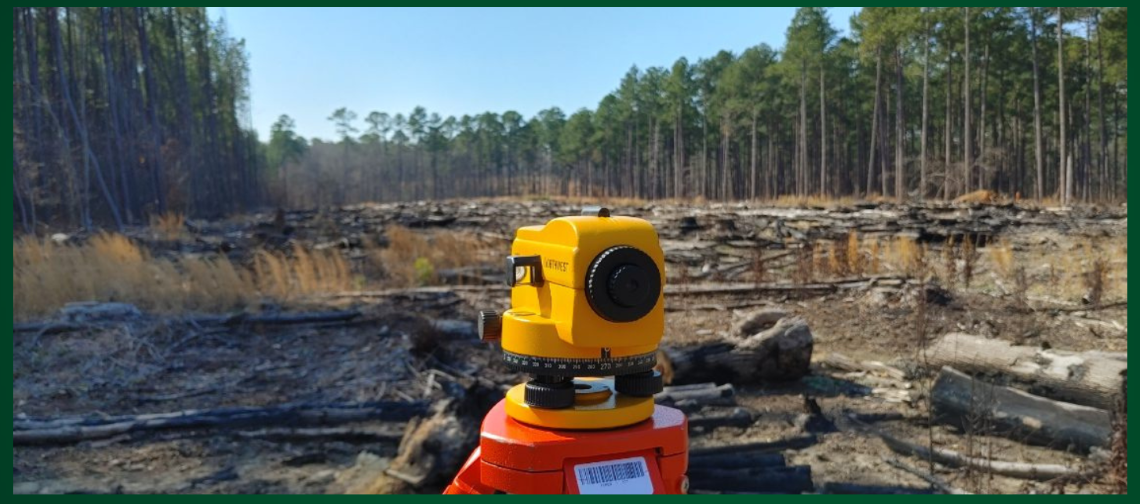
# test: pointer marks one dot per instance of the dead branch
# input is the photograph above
(70, 430)
(935, 481)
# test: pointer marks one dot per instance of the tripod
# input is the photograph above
(650, 457)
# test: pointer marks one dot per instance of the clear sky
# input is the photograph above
(453, 61)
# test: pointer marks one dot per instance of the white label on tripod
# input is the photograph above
(614, 477)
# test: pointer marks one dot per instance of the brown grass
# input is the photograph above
(412, 259)
(110, 267)
(907, 256)
(854, 257)
(45, 276)
(814, 201)
(170, 225)
(303, 273)
(1002, 258)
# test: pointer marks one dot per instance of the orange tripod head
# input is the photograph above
(586, 302)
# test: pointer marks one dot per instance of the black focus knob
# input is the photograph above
(549, 394)
(490, 326)
(623, 284)
(639, 384)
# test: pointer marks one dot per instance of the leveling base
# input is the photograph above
(596, 406)
(650, 457)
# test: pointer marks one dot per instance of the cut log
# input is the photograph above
(970, 403)
(691, 398)
(1081, 378)
(721, 417)
(70, 430)
(952, 458)
(781, 480)
(738, 461)
(845, 363)
(778, 354)
(758, 320)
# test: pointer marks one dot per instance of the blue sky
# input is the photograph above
(309, 62)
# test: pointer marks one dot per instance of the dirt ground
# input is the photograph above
(166, 363)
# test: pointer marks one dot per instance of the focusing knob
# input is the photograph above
(547, 395)
(490, 326)
(640, 385)
(623, 284)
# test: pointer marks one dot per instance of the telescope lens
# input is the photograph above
(623, 284)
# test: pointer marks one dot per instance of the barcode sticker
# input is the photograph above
(614, 477)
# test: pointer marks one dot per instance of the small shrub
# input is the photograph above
(425, 273)
(1096, 280)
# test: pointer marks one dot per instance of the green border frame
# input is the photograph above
(8, 215)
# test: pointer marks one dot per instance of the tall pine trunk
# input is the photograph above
(874, 120)
(925, 108)
(822, 136)
(900, 179)
(1066, 173)
(967, 151)
(1038, 142)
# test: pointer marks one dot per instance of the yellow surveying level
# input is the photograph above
(587, 313)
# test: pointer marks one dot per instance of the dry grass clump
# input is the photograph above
(907, 256)
(169, 225)
(412, 259)
(814, 201)
(110, 267)
(303, 273)
(854, 257)
(1001, 256)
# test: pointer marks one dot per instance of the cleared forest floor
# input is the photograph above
(399, 285)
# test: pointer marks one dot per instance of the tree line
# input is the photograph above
(124, 113)
(914, 103)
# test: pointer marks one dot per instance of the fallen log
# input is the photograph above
(966, 402)
(843, 488)
(738, 461)
(950, 458)
(321, 433)
(1090, 379)
(794, 443)
(781, 480)
(735, 417)
(675, 290)
(691, 398)
(845, 363)
(777, 354)
(70, 430)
